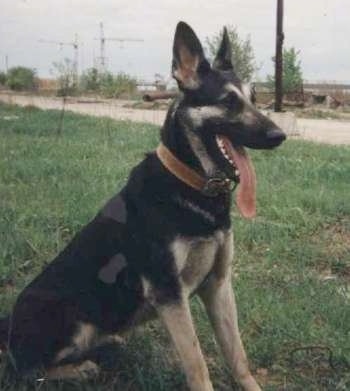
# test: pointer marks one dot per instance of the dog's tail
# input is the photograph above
(4, 331)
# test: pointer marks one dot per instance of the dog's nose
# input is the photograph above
(276, 135)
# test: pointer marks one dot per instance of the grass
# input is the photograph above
(292, 265)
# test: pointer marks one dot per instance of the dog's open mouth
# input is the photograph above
(244, 170)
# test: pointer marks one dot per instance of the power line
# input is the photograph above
(102, 59)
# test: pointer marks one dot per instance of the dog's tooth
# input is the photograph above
(236, 172)
(223, 150)
(219, 142)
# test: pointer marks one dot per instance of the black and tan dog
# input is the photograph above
(164, 237)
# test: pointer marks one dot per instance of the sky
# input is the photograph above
(319, 29)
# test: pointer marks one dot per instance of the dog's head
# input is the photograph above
(215, 115)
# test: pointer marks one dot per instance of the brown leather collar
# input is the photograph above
(209, 187)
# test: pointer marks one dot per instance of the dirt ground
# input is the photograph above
(319, 130)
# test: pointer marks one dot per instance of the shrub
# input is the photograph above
(115, 86)
(21, 78)
(107, 84)
(66, 77)
(3, 78)
(90, 80)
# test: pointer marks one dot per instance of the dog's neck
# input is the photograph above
(179, 169)
(209, 187)
(174, 138)
(212, 209)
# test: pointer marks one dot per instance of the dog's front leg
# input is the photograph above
(218, 297)
(178, 321)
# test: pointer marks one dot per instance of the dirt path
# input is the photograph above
(324, 131)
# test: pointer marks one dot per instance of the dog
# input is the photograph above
(165, 237)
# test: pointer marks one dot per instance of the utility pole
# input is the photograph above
(75, 45)
(279, 58)
(7, 63)
(102, 49)
(76, 59)
(102, 59)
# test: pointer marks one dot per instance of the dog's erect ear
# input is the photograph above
(189, 62)
(223, 59)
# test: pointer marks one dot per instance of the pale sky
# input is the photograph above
(320, 29)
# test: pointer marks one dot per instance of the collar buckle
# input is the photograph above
(215, 186)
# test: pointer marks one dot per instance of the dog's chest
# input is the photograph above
(195, 258)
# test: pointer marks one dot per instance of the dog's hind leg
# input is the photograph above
(218, 297)
(177, 319)
(79, 371)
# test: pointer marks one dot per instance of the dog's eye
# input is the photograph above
(230, 100)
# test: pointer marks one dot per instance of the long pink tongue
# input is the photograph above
(246, 192)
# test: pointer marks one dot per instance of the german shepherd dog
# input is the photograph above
(165, 237)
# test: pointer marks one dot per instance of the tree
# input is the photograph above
(292, 73)
(243, 57)
(21, 78)
(66, 77)
(3, 78)
(90, 80)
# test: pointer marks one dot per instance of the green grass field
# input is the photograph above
(292, 265)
